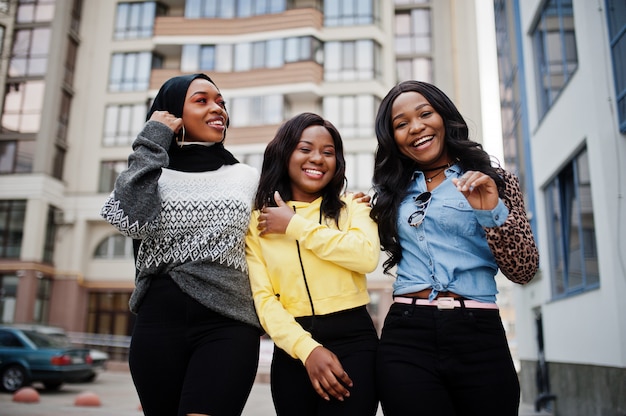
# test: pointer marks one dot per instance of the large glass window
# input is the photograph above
(349, 12)
(8, 297)
(413, 33)
(420, 69)
(31, 11)
(16, 156)
(227, 9)
(109, 171)
(554, 43)
(616, 15)
(257, 111)
(22, 106)
(131, 71)
(122, 123)
(574, 255)
(52, 220)
(12, 214)
(116, 246)
(29, 54)
(42, 301)
(351, 60)
(359, 170)
(353, 115)
(136, 20)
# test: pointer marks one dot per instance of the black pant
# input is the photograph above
(185, 358)
(352, 337)
(446, 363)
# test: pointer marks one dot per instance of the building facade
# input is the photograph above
(563, 91)
(80, 76)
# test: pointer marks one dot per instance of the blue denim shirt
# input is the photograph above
(448, 251)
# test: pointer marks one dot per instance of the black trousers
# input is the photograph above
(445, 362)
(352, 337)
(185, 358)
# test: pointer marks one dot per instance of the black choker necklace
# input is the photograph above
(447, 165)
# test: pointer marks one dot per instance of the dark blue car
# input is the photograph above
(27, 356)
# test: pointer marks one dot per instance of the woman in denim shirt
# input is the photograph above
(448, 220)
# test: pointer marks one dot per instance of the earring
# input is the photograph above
(182, 140)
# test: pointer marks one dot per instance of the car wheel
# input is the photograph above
(52, 385)
(13, 377)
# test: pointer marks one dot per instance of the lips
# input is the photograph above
(422, 140)
(314, 172)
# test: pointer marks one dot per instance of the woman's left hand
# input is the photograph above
(479, 189)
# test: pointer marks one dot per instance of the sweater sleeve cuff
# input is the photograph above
(304, 349)
(492, 218)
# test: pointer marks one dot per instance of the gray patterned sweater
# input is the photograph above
(192, 225)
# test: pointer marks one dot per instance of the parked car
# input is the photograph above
(100, 358)
(27, 356)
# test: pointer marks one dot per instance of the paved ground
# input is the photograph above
(118, 398)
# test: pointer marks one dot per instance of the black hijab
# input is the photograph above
(191, 157)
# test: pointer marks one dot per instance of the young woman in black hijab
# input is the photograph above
(187, 201)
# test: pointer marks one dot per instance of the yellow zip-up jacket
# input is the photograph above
(335, 261)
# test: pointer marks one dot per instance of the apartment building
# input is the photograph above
(563, 89)
(80, 75)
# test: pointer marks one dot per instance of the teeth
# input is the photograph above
(422, 140)
(313, 172)
(216, 123)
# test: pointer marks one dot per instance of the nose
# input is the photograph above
(316, 157)
(416, 126)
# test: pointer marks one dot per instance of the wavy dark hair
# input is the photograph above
(275, 170)
(393, 170)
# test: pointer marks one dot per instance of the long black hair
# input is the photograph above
(393, 170)
(275, 170)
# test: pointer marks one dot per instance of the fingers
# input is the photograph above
(279, 199)
(170, 120)
(470, 180)
(327, 375)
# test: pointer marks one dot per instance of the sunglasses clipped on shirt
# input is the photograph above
(421, 202)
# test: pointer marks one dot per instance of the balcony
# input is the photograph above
(291, 73)
(290, 19)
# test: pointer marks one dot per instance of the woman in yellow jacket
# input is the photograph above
(308, 249)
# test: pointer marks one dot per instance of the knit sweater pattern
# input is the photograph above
(192, 225)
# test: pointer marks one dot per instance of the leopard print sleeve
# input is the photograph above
(512, 243)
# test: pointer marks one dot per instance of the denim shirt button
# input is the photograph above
(497, 217)
(421, 238)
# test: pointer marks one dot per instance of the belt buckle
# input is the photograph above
(445, 303)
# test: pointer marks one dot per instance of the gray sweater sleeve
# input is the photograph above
(135, 201)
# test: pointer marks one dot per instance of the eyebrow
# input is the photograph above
(204, 93)
(416, 108)
(311, 143)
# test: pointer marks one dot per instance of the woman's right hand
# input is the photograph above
(169, 119)
(327, 374)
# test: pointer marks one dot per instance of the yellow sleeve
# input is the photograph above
(355, 247)
(279, 324)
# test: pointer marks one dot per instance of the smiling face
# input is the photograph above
(312, 164)
(204, 112)
(419, 130)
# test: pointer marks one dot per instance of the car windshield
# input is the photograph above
(44, 341)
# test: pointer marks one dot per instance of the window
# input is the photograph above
(115, 247)
(29, 53)
(131, 71)
(16, 156)
(554, 43)
(420, 69)
(42, 301)
(616, 15)
(348, 12)
(51, 228)
(574, 256)
(353, 115)
(70, 62)
(8, 297)
(359, 171)
(108, 313)
(109, 171)
(30, 11)
(351, 61)
(122, 123)
(136, 20)
(413, 34)
(227, 9)
(12, 215)
(22, 106)
(257, 111)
